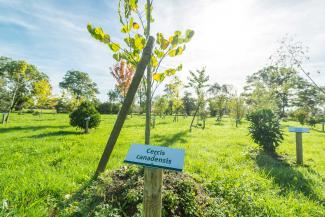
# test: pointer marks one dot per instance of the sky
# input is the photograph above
(233, 38)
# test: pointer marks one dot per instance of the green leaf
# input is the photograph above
(178, 33)
(180, 67)
(130, 24)
(136, 26)
(133, 4)
(154, 62)
(189, 34)
(158, 77)
(117, 56)
(170, 72)
(139, 42)
(114, 47)
(159, 53)
(164, 44)
(125, 29)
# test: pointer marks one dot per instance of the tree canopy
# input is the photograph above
(79, 84)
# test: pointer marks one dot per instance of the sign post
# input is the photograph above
(87, 119)
(154, 159)
(322, 123)
(299, 150)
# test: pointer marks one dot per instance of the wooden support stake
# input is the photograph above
(144, 61)
(299, 148)
(323, 127)
(152, 202)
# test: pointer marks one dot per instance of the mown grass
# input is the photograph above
(43, 159)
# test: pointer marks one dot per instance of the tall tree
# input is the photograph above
(198, 81)
(188, 103)
(18, 78)
(79, 85)
(293, 54)
(279, 82)
(42, 93)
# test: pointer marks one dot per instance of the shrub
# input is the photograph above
(86, 109)
(265, 129)
(312, 122)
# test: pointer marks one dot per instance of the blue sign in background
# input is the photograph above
(299, 129)
(156, 156)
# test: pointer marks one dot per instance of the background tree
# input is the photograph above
(198, 81)
(188, 103)
(123, 74)
(17, 79)
(79, 85)
(258, 97)
(237, 108)
(293, 54)
(42, 93)
(173, 91)
(218, 102)
(160, 105)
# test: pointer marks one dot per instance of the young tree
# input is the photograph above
(237, 108)
(198, 81)
(79, 85)
(18, 78)
(123, 73)
(173, 91)
(132, 23)
(160, 105)
(218, 102)
(42, 92)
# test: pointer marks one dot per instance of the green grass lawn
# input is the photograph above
(43, 159)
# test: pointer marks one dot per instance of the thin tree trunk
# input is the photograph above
(197, 109)
(145, 59)
(11, 104)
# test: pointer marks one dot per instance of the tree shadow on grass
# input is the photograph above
(316, 130)
(31, 128)
(168, 140)
(56, 133)
(289, 178)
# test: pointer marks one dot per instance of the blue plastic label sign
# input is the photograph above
(299, 129)
(156, 156)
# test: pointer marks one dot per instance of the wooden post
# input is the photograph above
(152, 202)
(299, 148)
(323, 127)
